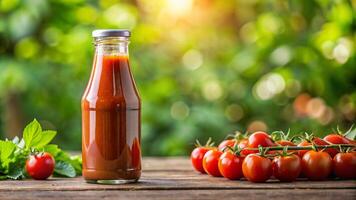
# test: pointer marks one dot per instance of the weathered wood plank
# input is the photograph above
(166, 164)
(332, 194)
(174, 178)
(171, 180)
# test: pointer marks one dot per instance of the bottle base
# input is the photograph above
(112, 182)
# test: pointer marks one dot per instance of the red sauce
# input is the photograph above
(111, 122)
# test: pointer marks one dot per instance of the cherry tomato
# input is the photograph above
(40, 166)
(197, 156)
(285, 143)
(210, 162)
(345, 165)
(303, 144)
(336, 139)
(316, 165)
(231, 143)
(257, 168)
(244, 144)
(260, 139)
(286, 168)
(230, 165)
(317, 141)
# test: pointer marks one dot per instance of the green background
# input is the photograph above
(204, 68)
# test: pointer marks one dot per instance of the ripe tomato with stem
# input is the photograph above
(40, 165)
(344, 165)
(198, 153)
(287, 166)
(256, 167)
(316, 165)
(230, 165)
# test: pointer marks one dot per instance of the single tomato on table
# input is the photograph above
(316, 165)
(257, 168)
(286, 167)
(40, 166)
(344, 165)
(211, 162)
(230, 165)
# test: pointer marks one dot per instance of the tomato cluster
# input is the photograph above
(260, 157)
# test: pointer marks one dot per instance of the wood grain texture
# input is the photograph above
(174, 178)
(332, 194)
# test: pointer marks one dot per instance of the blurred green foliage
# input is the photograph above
(204, 68)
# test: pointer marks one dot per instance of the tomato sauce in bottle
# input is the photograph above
(111, 114)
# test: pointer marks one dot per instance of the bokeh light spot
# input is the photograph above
(192, 59)
(269, 86)
(179, 110)
(212, 90)
(234, 112)
(257, 126)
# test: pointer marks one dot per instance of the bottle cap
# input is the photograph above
(111, 33)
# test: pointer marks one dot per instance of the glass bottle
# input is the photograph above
(111, 113)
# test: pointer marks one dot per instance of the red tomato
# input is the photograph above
(230, 165)
(286, 168)
(317, 141)
(211, 161)
(303, 144)
(285, 143)
(316, 165)
(197, 158)
(40, 166)
(260, 139)
(336, 139)
(231, 143)
(244, 144)
(345, 165)
(257, 168)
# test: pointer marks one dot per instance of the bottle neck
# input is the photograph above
(112, 46)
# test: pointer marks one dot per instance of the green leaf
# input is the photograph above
(52, 149)
(76, 162)
(32, 133)
(46, 138)
(16, 140)
(351, 134)
(64, 169)
(6, 149)
(16, 173)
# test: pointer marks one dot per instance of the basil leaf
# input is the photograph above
(64, 169)
(6, 149)
(16, 173)
(46, 137)
(76, 162)
(52, 149)
(32, 133)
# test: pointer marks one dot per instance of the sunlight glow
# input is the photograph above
(179, 7)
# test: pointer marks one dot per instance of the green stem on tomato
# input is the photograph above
(304, 147)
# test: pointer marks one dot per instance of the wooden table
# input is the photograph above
(173, 178)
